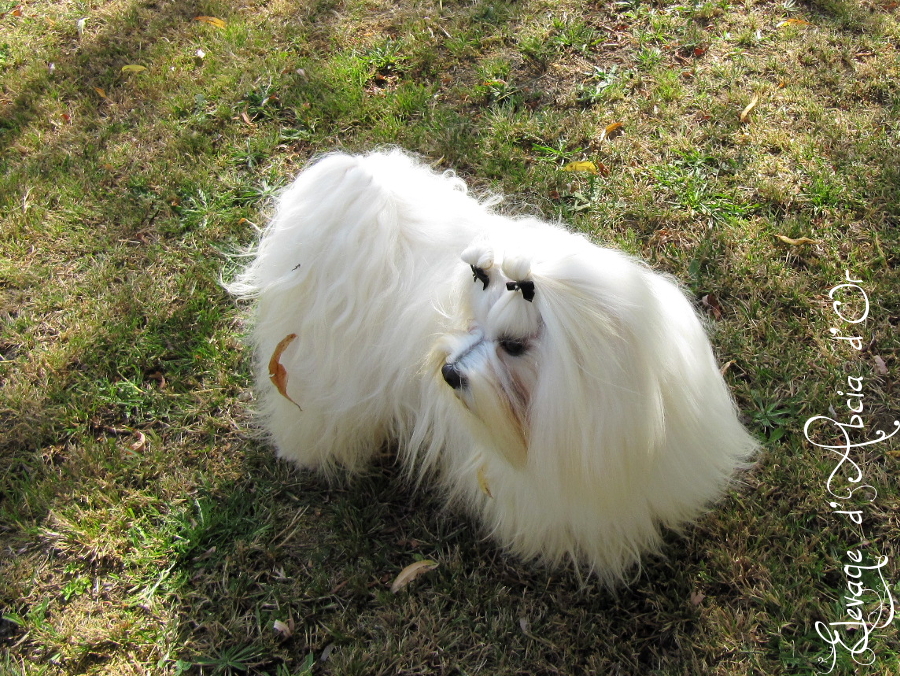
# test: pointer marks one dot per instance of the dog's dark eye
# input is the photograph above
(481, 276)
(513, 347)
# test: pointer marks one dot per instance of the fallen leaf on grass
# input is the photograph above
(140, 445)
(611, 131)
(205, 555)
(586, 166)
(745, 113)
(101, 93)
(666, 235)
(282, 628)
(525, 626)
(880, 367)
(711, 303)
(727, 365)
(211, 20)
(411, 572)
(796, 242)
(277, 372)
(131, 68)
(793, 22)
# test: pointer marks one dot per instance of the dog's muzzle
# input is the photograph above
(452, 376)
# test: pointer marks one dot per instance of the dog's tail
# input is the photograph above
(347, 210)
(303, 207)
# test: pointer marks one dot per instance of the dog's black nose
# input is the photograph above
(454, 378)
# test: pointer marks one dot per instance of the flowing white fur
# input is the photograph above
(584, 420)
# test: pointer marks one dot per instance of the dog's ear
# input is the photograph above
(602, 351)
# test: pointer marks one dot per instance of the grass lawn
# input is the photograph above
(749, 147)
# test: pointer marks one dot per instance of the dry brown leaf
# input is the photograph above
(745, 113)
(711, 303)
(277, 372)
(101, 93)
(880, 367)
(211, 20)
(483, 482)
(205, 555)
(611, 131)
(411, 572)
(140, 445)
(796, 242)
(665, 235)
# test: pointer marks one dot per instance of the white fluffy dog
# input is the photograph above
(564, 393)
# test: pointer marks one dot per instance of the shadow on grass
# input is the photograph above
(94, 61)
(278, 545)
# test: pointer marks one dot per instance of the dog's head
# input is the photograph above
(493, 367)
(564, 350)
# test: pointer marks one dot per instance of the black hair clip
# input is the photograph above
(480, 276)
(527, 289)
